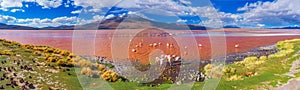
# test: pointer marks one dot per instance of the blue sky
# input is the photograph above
(214, 13)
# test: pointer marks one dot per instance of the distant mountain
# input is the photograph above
(296, 27)
(137, 22)
(64, 27)
(16, 27)
(126, 22)
(231, 26)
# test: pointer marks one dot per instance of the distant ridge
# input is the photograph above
(16, 27)
(63, 27)
(295, 27)
(125, 22)
(231, 26)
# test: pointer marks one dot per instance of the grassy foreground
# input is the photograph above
(43, 67)
(263, 72)
(25, 67)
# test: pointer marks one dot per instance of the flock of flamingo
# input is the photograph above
(163, 59)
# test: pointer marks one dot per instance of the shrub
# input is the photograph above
(61, 62)
(110, 76)
(250, 59)
(213, 71)
(249, 74)
(6, 52)
(87, 71)
(84, 63)
(64, 53)
(234, 78)
(229, 71)
(100, 67)
(263, 58)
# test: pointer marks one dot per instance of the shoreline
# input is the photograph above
(171, 71)
(231, 58)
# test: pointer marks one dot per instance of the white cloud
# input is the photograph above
(261, 25)
(130, 12)
(98, 17)
(24, 20)
(185, 1)
(249, 6)
(280, 12)
(109, 16)
(76, 12)
(49, 3)
(3, 9)
(64, 19)
(168, 6)
(17, 10)
(37, 22)
(94, 10)
(46, 20)
(96, 5)
(181, 21)
(19, 3)
(4, 18)
(259, 14)
(11, 3)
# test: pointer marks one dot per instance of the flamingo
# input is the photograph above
(133, 50)
(236, 45)
(168, 45)
(173, 56)
(177, 58)
(154, 44)
(171, 46)
(169, 58)
(157, 59)
(161, 61)
(150, 45)
(200, 45)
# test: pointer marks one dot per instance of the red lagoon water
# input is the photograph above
(136, 45)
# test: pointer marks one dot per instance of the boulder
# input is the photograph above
(31, 86)
(2, 87)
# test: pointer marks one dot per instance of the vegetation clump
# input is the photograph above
(270, 68)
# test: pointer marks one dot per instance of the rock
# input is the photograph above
(23, 87)
(21, 80)
(8, 84)
(26, 83)
(14, 83)
(31, 86)
(13, 68)
(15, 74)
(2, 87)
(4, 75)
(2, 78)
(52, 88)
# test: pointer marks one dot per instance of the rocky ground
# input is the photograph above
(24, 69)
